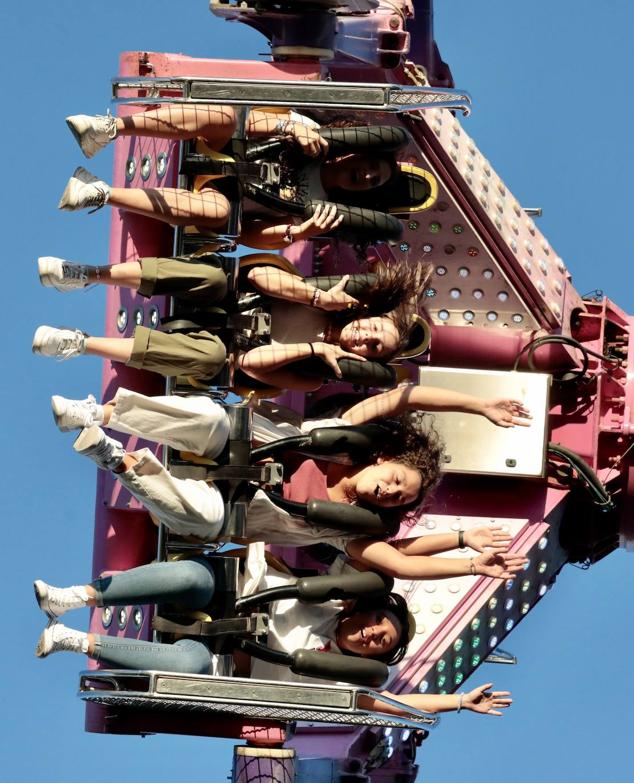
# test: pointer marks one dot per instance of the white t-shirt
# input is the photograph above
(268, 522)
(292, 625)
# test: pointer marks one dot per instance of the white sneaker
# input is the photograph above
(76, 414)
(92, 133)
(93, 442)
(60, 343)
(56, 601)
(57, 637)
(61, 275)
(84, 190)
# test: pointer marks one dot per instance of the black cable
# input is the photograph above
(557, 339)
(601, 496)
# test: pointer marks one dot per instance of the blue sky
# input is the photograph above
(553, 113)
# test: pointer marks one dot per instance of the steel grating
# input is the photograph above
(284, 714)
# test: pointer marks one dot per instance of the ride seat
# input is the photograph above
(242, 623)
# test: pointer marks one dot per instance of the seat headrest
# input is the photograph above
(419, 338)
(413, 190)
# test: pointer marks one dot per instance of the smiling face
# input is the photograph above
(360, 172)
(369, 633)
(387, 484)
(372, 338)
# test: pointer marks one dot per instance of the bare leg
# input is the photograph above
(92, 595)
(127, 463)
(126, 275)
(108, 407)
(91, 642)
(177, 207)
(215, 124)
(118, 349)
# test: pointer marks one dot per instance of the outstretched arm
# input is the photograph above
(387, 559)
(493, 538)
(503, 412)
(478, 700)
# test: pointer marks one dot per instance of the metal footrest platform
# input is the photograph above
(393, 98)
(234, 696)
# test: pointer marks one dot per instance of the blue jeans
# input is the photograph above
(188, 583)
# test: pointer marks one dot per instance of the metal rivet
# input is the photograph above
(146, 167)
(137, 617)
(138, 316)
(161, 164)
(122, 319)
(130, 169)
(154, 317)
(106, 616)
(122, 617)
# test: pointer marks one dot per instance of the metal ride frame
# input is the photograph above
(236, 696)
(394, 98)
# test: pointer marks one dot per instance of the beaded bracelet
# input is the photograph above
(282, 128)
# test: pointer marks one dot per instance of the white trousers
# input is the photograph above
(185, 506)
(194, 423)
(196, 508)
(197, 424)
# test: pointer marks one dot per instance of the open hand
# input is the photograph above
(484, 538)
(506, 413)
(331, 353)
(499, 566)
(324, 219)
(336, 297)
(486, 702)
